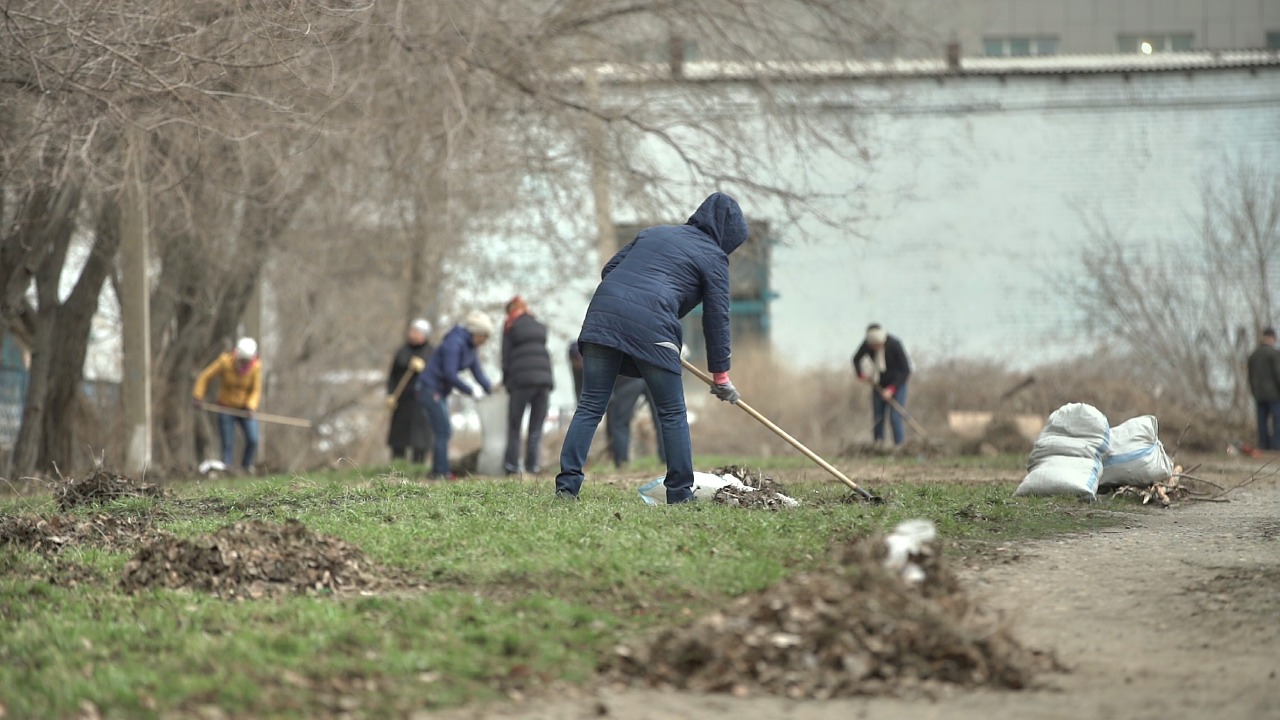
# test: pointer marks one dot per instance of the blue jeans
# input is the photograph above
(1268, 424)
(600, 367)
(227, 433)
(441, 430)
(617, 418)
(878, 411)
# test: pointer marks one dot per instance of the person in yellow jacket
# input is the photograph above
(239, 375)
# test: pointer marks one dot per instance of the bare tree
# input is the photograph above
(369, 157)
(1192, 308)
(207, 82)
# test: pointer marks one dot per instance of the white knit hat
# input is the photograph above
(422, 325)
(246, 348)
(477, 323)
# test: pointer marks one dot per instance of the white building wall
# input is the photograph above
(1002, 175)
(966, 227)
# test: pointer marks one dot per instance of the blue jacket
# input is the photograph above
(456, 353)
(662, 275)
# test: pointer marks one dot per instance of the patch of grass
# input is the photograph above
(520, 590)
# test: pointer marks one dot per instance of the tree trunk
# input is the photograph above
(73, 320)
(54, 233)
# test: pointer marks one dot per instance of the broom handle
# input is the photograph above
(778, 431)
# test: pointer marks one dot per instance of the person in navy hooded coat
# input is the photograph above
(457, 352)
(633, 328)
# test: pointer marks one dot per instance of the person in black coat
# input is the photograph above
(632, 328)
(526, 373)
(409, 426)
(881, 362)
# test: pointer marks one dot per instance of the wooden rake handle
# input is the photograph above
(264, 417)
(404, 380)
(893, 403)
(784, 435)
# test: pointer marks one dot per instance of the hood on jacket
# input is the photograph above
(720, 217)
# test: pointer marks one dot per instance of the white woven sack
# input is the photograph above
(1136, 456)
(1060, 475)
(1073, 430)
(1067, 456)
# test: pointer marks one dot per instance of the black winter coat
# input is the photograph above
(525, 360)
(409, 427)
(896, 366)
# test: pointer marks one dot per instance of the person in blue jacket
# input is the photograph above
(633, 328)
(457, 352)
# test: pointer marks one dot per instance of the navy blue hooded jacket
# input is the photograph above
(662, 275)
(456, 353)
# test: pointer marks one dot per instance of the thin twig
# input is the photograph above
(1178, 443)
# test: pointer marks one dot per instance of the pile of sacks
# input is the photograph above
(1079, 453)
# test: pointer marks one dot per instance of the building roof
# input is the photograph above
(707, 71)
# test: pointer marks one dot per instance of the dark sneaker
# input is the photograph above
(566, 496)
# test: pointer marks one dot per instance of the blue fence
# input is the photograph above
(13, 389)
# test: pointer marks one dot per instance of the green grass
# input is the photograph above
(521, 590)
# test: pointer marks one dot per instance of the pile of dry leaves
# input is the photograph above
(856, 630)
(254, 559)
(100, 486)
(49, 534)
(768, 493)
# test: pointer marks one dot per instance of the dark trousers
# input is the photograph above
(600, 370)
(535, 399)
(438, 415)
(1268, 424)
(622, 409)
(419, 454)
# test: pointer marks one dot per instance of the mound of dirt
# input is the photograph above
(856, 630)
(768, 493)
(101, 486)
(50, 534)
(254, 559)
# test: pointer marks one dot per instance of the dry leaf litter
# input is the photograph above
(255, 559)
(768, 493)
(857, 630)
(100, 486)
(50, 534)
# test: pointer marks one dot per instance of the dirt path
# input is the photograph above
(1176, 616)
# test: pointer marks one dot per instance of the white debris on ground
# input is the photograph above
(725, 488)
(910, 543)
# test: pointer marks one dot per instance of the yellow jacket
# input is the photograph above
(237, 387)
